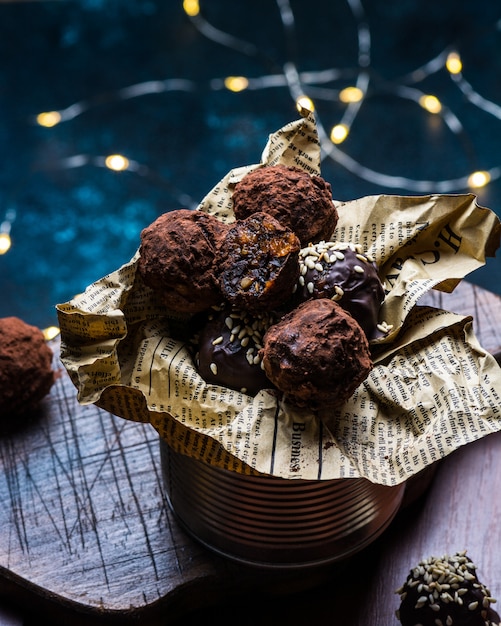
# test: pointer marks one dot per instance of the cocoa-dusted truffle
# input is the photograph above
(446, 591)
(26, 374)
(229, 347)
(317, 354)
(342, 272)
(178, 255)
(295, 198)
(260, 263)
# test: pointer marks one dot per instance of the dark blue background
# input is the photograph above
(74, 225)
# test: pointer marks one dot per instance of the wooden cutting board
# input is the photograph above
(85, 530)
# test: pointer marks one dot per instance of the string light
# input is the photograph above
(304, 103)
(453, 63)
(236, 83)
(304, 88)
(5, 242)
(431, 103)
(191, 7)
(49, 118)
(351, 94)
(339, 133)
(479, 179)
(116, 162)
(51, 332)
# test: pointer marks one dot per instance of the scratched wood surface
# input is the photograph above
(86, 534)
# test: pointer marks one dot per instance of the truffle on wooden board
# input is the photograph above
(26, 374)
(446, 590)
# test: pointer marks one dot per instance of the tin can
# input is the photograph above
(273, 522)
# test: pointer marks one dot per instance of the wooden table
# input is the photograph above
(87, 536)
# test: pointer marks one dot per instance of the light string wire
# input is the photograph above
(304, 88)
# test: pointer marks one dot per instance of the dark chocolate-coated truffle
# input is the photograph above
(228, 350)
(342, 272)
(26, 374)
(445, 590)
(301, 201)
(178, 258)
(317, 354)
(260, 263)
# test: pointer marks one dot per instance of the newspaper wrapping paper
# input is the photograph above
(433, 388)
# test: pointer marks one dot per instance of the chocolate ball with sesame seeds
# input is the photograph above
(259, 264)
(228, 349)
(446, 591)
(343, 273)
(178, 258)
(317, 354)
(295, 198)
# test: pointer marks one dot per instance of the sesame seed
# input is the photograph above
(218, 340)
(473, 605)
(319, 267)
(358, 269)
(213, 368)
(310, 287)
(229, 322)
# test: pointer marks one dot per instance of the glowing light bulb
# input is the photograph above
(236, 83)
(453, 63)
(50, 332)
(479, 179)
(49, 118)
(339, 133)
(5, 243)
(191, 7)
(303, 103)
(351, 94)
(116, 162)
(431, 103)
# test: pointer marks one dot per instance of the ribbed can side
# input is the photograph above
(274, 522)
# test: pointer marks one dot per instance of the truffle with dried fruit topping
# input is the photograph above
(178, 258)
(260, 263)
(446, 590)
(301, 201)
(317, 354)
(26, 374)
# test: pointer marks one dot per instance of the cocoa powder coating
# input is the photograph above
(317, 355)
(26, 374)
(292, 196)
(178, 258)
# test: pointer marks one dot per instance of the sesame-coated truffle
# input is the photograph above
(301, 201)
(317, 354)
(260, 263)
(178, 258)
(445, 591)
(26, 374)
(342, 272)
(229, 345)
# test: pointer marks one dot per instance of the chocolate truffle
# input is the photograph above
(260, 263)
(26, 374)
(317, 354)
(445, 591)
(341, 272)
(229, 347)
(301, 201)
(178, 255)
